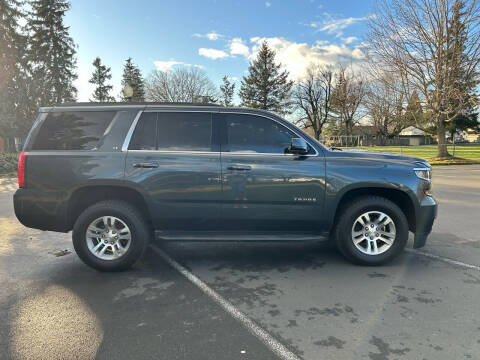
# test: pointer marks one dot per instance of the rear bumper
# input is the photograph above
(39, 210)
(425, 217)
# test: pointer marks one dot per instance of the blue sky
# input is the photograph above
(219, 36)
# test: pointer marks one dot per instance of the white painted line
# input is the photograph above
(444, 259)
(277, 347)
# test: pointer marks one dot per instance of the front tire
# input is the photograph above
(371, 231)
(110, 235)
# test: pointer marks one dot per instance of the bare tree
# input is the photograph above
(429, 43)
(385, 101)
(180, 85)
(349, 92)
(312, 96)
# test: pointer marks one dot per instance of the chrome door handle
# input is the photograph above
(145, 165)
(239, 167)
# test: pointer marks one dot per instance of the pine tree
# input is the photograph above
(133, 77)
(99, 77)
(266, 87)
(52, 52)
(16, 106)
(227, 90)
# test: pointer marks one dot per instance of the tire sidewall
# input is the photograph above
(139, 238)
(344, 236)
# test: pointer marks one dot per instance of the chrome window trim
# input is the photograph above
(134, 124)
(200, 152)
(126, 142)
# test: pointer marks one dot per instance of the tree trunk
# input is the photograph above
(442, 150)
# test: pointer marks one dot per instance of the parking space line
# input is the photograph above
(272, 343)
(444, 259)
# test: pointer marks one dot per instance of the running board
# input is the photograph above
(237, 236)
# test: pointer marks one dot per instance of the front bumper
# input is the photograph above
(426, 215)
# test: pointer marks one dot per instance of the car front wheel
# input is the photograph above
(371, 231)
(110, 235)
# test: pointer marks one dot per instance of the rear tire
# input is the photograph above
(123, 222)
(387, 231)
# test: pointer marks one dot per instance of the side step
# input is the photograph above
(238, 236)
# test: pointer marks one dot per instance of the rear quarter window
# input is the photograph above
(72, 130)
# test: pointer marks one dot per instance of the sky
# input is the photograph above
(220, 37)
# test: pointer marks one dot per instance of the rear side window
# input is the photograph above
(75, 130)
(184, 131)
(143, 137)
(249, 133)
(173, 132)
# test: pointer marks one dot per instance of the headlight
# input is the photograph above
(423, 173)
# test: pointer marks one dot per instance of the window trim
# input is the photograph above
(128, 137)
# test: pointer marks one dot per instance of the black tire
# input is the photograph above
(140, 234)
(347, 218)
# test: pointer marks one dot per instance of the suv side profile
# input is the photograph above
(119, 175)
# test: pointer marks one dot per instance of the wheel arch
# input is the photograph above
(402, 198)
(87, 195)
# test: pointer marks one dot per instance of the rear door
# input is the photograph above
(171, 157)
(263, 187)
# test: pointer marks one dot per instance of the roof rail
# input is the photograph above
(134, 104)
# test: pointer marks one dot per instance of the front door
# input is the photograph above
(265, 189)
(171, 158)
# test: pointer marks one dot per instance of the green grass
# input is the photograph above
(464, 154)
(8, 163)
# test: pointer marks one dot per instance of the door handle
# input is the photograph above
(145, 165)
(239, 167)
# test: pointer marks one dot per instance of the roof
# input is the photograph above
(131, 103)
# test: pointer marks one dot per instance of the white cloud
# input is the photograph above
(212, 35)
(296, 57)
(166, 66)
(268, 4)
(234, 78)
(335, 26)
(238, 47)
(212, 53)
(349, 39)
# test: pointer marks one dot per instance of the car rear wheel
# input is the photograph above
(371, 231)
(110, 235)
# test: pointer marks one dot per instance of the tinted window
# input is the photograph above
(249, 133)
(79, 130)
(184, 131)
(143, 137)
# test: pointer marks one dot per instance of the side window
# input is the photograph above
(184, 131)
(250, 133)
(143, 137)
(72, 130)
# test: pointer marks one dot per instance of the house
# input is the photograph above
(415, 136)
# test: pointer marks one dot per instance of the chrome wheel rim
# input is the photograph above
(108, 238)
(373, 233)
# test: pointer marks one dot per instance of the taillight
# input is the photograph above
(21, 169)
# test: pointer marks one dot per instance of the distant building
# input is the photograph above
(416, 136)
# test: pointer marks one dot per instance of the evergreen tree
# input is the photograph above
(227, 90)
(133, 77)
(99, 77)
(414, 115)
(16, 107)
(266, 87)
(52, 52)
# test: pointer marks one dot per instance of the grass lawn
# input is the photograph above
(464, 154)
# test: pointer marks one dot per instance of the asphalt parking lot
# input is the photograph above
(250, 301)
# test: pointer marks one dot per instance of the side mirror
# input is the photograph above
(298, 146)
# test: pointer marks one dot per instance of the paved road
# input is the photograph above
(304, 296)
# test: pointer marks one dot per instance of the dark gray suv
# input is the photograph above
(119, 175)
